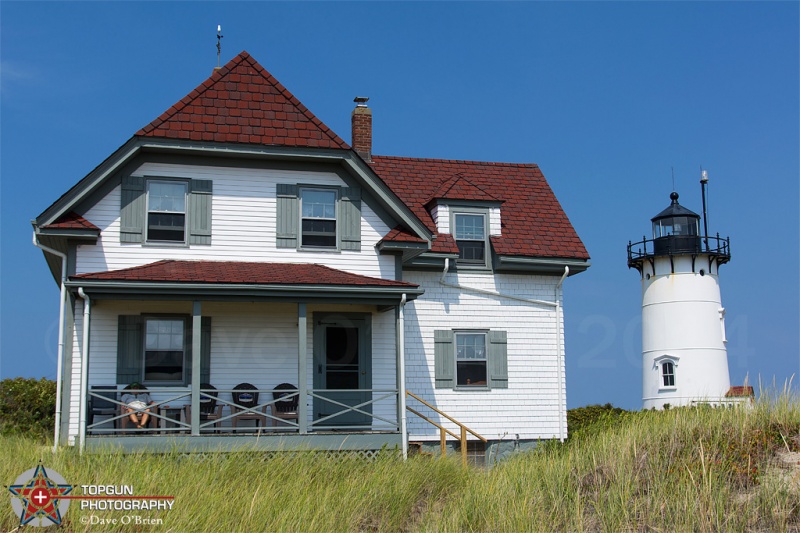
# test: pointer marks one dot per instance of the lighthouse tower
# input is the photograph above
(684, 360)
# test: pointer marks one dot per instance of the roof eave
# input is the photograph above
(541, 265)
(153, 290)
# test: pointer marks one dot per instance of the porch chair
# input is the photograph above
(102, 404)
(209, 408)
(245, 396)
(285, 409)
(125, 422)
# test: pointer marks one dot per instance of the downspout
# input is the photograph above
(559, 333)
(401, 358)
(560, 354)
(87, 307)
(60, 356)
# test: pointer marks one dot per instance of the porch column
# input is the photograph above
(84, 383)
(401, 374)
(302, 368)
(197, 324)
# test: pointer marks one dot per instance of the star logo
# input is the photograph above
(37, 497)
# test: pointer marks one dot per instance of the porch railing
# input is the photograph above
(443, 431)
(172, 416)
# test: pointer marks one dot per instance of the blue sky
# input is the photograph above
(608, 98)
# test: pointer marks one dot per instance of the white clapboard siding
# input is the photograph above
(529, 407)
(250, 342)
(243, 225)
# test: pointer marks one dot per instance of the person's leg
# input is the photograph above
(132, 416)
(145, 418)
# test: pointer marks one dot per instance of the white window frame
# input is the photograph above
(455, 212)
(184, 378)
(337, 222)
(660, 364)
(147, 238)
(464, 332)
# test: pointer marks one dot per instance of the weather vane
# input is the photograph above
(219, 43)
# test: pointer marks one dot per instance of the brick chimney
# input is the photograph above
(362, 128)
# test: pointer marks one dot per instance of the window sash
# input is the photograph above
(166, 211)
(668, 374)
(318, 218)
(470, 235)
(164, 357)
(471, 360)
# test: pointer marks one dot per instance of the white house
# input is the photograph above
(237, 239)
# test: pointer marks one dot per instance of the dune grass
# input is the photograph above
(677, 470)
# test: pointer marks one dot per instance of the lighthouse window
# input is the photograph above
(668, 373)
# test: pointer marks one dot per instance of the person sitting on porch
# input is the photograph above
(137, 402)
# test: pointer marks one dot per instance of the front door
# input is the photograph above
(342, 349)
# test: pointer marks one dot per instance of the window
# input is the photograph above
(329, 217)
(470, 234)
(164, 349)
(318, 218)
(471, 360)
(157, 349)
(668, 373)
(166, 211)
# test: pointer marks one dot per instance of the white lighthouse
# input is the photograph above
(684, 360)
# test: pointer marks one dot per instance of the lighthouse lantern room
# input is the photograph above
(684, 358)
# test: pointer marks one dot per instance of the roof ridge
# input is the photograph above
(456, 161)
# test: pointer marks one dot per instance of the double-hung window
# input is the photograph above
(166, 211)
(164, 349)
(318, 218)
(471, 359)
(470, 235)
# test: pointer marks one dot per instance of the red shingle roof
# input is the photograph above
(243, 103)
(533, 222)
(460, 188)
(72, 220)
(234, 272)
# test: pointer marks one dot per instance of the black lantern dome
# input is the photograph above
(676, 229)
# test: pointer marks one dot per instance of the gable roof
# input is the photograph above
(460, 188)
(533, 222)
(243, 103)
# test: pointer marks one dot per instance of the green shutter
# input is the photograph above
(200, 195)
(129, 349)
(444, 358)
(498, 360)
(287, 215)
(350, 218)
(132, 209)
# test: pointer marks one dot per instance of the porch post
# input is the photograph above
(84, 383)
(197, 322)
(302, 368)
(401, 374)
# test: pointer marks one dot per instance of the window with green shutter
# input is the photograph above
(317, 217)
(466, 359)
(157, 350)
(165, 210)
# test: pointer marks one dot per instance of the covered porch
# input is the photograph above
(266, 364)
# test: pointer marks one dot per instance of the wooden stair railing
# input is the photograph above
(443, 431)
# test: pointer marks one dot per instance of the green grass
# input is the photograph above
(676, 470)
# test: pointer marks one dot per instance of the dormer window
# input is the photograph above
(471, 235)
(318, 218)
